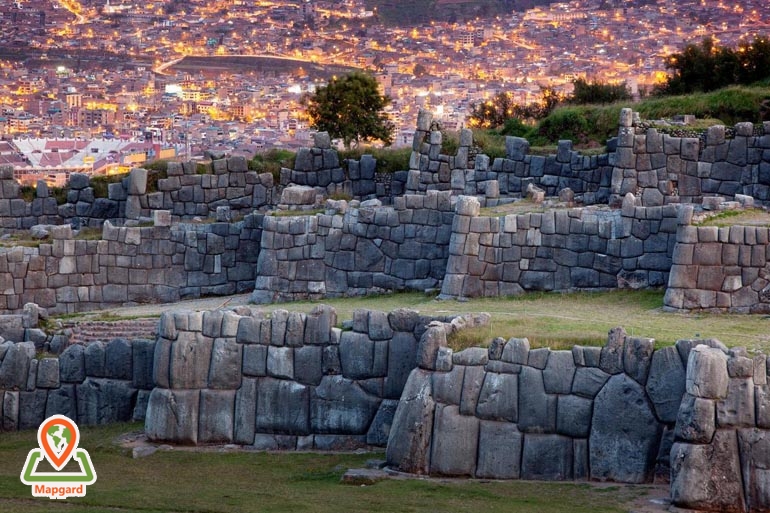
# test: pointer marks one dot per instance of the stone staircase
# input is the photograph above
(90, 331)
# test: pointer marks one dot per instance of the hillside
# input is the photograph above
(591, 125)
(399, 12)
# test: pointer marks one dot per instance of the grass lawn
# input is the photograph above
(560, 320)
(242, 481)
(552, 319)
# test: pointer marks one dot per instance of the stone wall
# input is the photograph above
(721, 454)
(184, 193)
(100, 383)
(720, 269)
(664, 169)
(510, 412)
(587, 176)
(559, 249)
(471, 174)
(137, 264)
(187, 194)
(355, 250)
(284, 381)
(319, 167)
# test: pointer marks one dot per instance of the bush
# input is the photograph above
(101, 183)
(516, 128)
(271, 162)
(565, 123)
(157, 165)
(59, 193)
(28, 192)
(389, 160)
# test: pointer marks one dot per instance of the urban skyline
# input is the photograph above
(112, 69)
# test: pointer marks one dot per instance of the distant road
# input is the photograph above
(259, 63)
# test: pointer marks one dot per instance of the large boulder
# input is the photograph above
(380, 428)
(707, 375)
(499, 450)
(666, 383)
(455, 442)
(105, 401)
(696, 421)
(537, 410)
(498, 399)
(410, 435)
(339, 406)
(283, 407)
(245, 412)
(172, 416)
(754, 445)
(547, 457)
(625, 433)
(15, 367)
(708, 477)
(215, 421)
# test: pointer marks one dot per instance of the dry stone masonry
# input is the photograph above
(100, 383)
(558, 249)
(136, 264)
(355, 249)
(622, 221)
(285, 381)
(721, 454)
(720, 268)
(694, 411)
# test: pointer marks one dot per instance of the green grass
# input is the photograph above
(89, 233)
(101, 184)
(271, 162)
(389, 160)
(243, 481)
(296, 213)
(561, 320)
(592, 125)
(752, 217)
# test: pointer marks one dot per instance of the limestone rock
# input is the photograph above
(537, 410)
(707, 477)
(624, 433)
(499, 455)
(216, 421)
(245, 412)
(172, 416)
(707, 373)
(410, 435)
(283, 407)
(498, 399)
(379, 431)
(340, 406)
(696, 422)
(455, 442)
(612, 353)
(637, 356)
(666, 383)
(754, 445)
(547, 457)
(559, 372)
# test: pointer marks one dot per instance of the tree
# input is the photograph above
(754, 60)
(351, 108)
(708, 66)
(497, 111)
(598, 92)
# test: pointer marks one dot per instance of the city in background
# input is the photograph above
(100, 86)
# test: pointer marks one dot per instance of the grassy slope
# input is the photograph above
(582, 123)
(235, 482)
(563, 320)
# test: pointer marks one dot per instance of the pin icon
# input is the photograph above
(58, 436)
